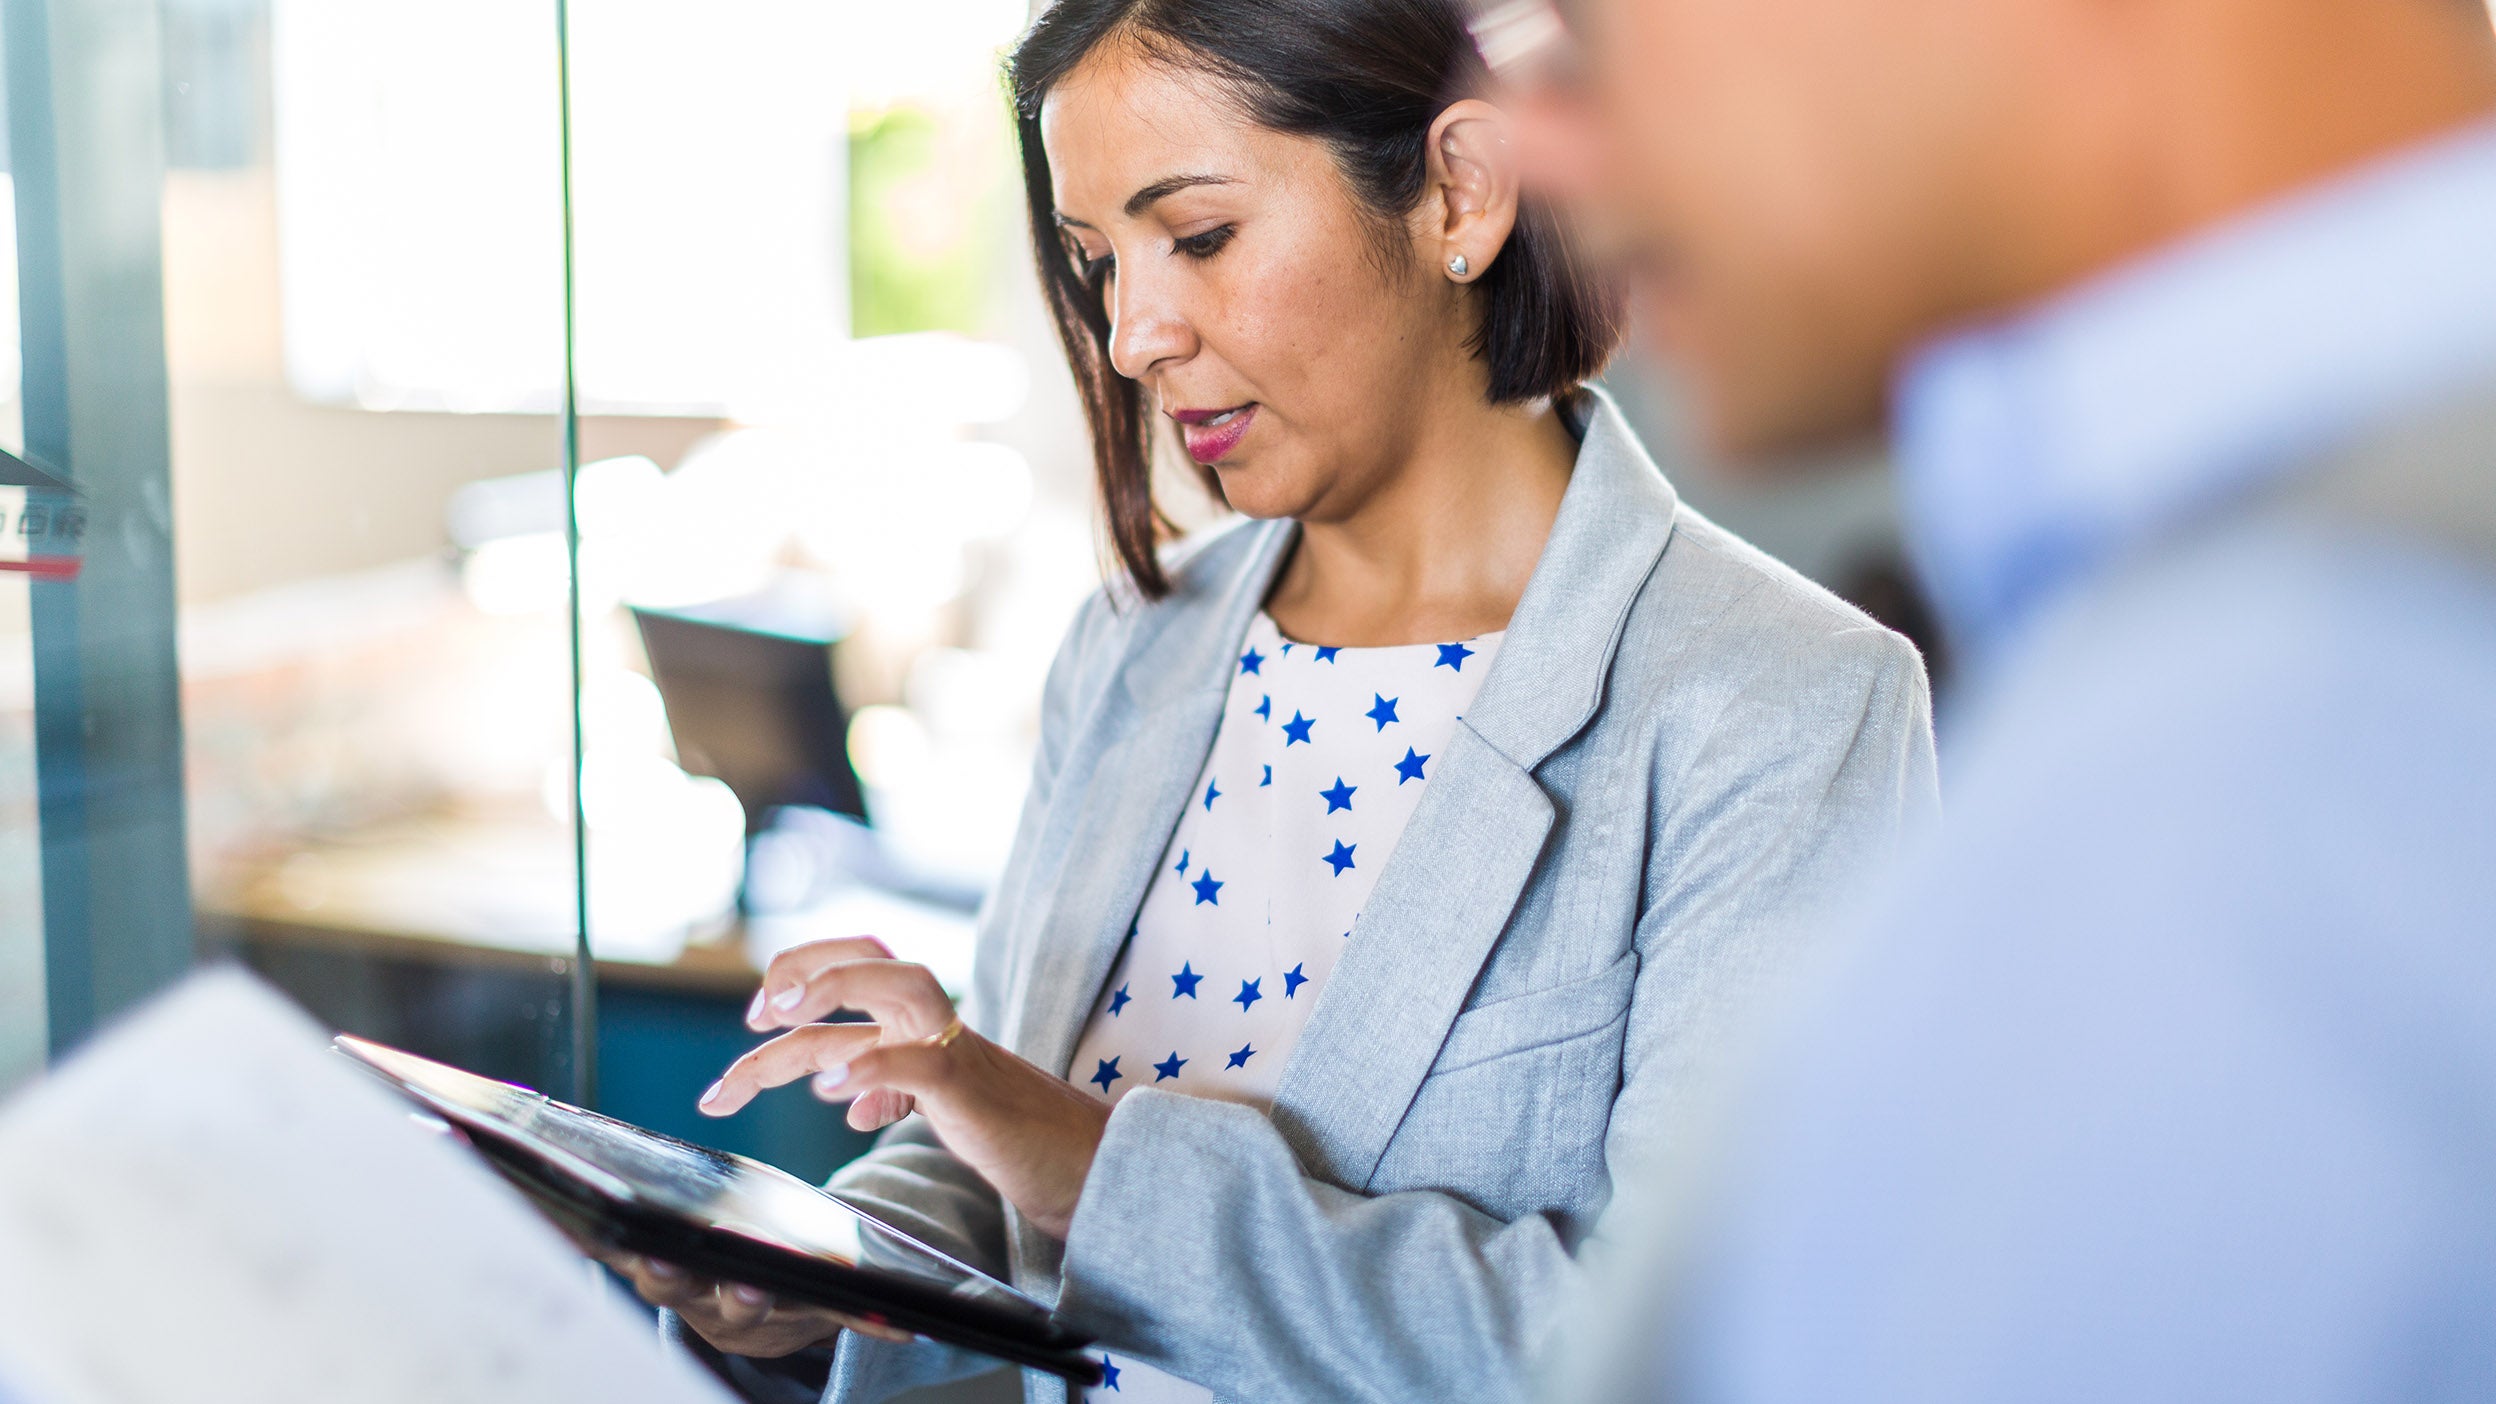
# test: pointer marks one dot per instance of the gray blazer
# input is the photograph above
(1680, 745)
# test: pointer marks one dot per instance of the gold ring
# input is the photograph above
(945, 1036)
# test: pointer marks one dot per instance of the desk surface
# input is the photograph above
(489, 890)
(496, 892)
(717, 967)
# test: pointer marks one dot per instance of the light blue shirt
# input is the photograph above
(2032, 451)
(2168, 1072)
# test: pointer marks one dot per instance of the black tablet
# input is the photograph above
(727, 1217)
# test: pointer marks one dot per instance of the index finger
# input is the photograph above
(795, 1054)
(905, 998)
(797, 967)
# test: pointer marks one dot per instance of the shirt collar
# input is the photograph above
(2036, 448)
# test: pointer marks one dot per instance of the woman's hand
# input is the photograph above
(736, 1319)
(1027, 1132)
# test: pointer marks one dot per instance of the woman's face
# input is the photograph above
(1248, 291)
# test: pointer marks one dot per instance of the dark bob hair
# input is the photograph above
(1367, 77)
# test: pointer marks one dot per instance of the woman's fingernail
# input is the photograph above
(754, 1011)
(711, 1094)
(830, 1079)
(788, 998)
(751, 1296)
(665, 1272)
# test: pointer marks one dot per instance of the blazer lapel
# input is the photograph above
(1136, 789)
(1160, 727)
(1465, 857)
(1437, 911)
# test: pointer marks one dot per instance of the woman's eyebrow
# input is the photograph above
(1145, 198)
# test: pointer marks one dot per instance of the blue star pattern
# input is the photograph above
(1236, 902)
(1109, 1374)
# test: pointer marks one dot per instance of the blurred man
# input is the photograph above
(2169, 1071)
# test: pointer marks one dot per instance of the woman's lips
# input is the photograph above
(1212, 434)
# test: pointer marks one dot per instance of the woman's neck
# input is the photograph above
(1444, 548)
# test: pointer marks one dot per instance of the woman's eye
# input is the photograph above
(1089, 268)
(1204, 245)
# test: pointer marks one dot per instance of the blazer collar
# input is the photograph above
(1614, 523)
(1188, 645)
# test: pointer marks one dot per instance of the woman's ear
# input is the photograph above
(1473, 174)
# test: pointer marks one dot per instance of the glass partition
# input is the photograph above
(24, 1016)
(93, 889)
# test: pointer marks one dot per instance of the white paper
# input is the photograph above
(207, 1206)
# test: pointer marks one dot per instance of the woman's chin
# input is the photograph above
(1264, 495)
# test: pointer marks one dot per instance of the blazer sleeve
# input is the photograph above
(1199, 1242)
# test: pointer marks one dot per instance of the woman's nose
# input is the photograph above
(1146, 330)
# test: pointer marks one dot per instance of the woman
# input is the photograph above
(1384, 855)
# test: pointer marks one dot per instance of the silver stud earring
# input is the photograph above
(1457, 267)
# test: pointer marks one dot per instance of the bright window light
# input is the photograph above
(419, 209)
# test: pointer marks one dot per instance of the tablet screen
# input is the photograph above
(729, 1192)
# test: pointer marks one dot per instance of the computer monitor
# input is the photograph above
(751, 700)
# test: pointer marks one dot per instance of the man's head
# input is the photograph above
(1806, 189)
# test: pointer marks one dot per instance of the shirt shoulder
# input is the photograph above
(2246, 782)
(2288, 688)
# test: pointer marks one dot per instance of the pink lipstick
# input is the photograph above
(1212, 434)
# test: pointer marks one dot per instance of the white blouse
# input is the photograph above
(1321, 756)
